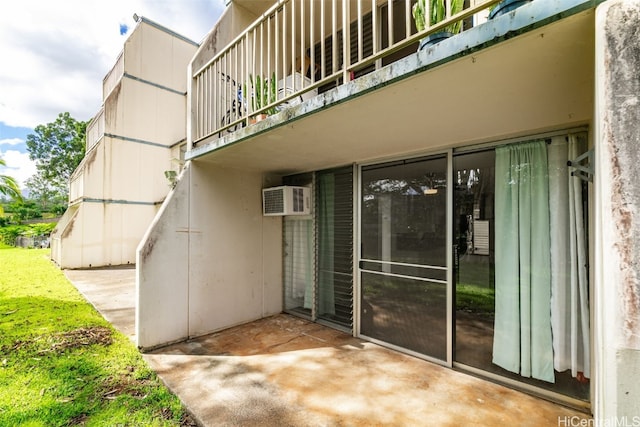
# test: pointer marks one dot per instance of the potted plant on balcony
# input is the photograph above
(263, 92)
(506, 6)
(437, 13)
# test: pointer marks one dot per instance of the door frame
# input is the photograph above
(357, 256)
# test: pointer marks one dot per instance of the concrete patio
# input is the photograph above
(286, 371)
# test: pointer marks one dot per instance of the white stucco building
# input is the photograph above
(138, 134)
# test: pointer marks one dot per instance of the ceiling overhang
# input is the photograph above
(449, 95)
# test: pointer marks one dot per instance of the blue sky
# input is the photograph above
(55, 54)
(14, 152)
(11, 135)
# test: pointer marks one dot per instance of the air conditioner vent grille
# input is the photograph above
(286, 200)
(274, 201)
(298, 200)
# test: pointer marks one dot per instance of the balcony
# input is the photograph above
(95, 130)
(113, 76)
(76, 185)
(521, 73)
(298, 49)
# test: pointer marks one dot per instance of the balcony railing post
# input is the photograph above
(237, 75)
(216, 98)
(283, 65)
(269, 50)
(334, 37)
(293, 45)
(312, 41)
(303, 55)
(346, 40)
(249, 64)
(407, 21)
(323, 59)
(360, 35)
(389, 22)
(374, 27)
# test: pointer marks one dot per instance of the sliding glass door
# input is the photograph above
(521, 288)
(474, 257)
(403, 265)
(481, 262)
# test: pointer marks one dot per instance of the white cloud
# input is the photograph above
(11, 141)
(18, 166)
(55, 53)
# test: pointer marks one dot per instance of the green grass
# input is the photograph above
(61, 363)
(475, 299)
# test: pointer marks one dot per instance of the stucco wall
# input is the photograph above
(210, 259)
(65, 221)
(87, 239)
(618, 221)
(233, 21)
(139, 110)
(230, 280)
(107, 172)
(158, 56)
(162, 271)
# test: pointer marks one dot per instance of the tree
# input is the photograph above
(57, 148)
(8, 185)
(24, 210)
(45, 193)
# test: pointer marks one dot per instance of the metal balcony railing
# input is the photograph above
(95, 130)
(113, 76)
(298, 48)
(76, 185)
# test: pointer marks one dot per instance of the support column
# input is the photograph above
(617, 180)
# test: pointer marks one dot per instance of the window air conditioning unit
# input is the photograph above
(286, 200)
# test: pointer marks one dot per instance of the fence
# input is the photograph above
(300, 46)
(41, 241)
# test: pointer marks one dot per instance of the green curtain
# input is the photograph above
(522, 330)
(325, 218)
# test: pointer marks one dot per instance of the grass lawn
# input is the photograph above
(61, 363)
(475, 299)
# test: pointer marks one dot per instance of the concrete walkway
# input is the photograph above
(112, 291)
(285, 371)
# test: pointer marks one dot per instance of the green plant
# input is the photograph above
(437, 13)
(9, 186)
(263, 93)
(42, 228)
(25, 209)
(9, 233)
(58, 209)
(61, 363)
(172, 177)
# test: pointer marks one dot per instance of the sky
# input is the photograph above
(55, 53)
